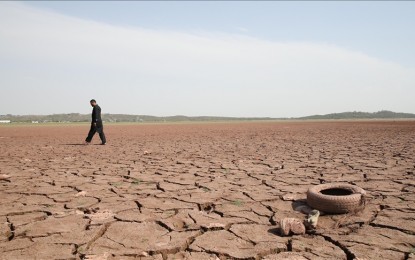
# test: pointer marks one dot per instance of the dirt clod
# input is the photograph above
(204, 191)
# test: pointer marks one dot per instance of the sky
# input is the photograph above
(207, 58)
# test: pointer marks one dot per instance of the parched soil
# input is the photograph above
(204, 191)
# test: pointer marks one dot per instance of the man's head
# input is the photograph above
(93, 102)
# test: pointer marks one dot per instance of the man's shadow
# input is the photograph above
(80, 144)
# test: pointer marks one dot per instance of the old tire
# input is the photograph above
(349, 198)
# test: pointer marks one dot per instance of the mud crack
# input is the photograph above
(349, 254)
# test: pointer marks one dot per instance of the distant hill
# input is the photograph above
(384, 114)
(76, 117)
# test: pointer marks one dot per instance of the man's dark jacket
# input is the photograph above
(96, 114)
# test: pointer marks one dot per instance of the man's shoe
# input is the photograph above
(87, 143)
(103, 143)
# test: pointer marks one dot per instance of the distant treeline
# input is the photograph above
(384, 114)
(76, 117)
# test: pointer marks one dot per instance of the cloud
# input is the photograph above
(137, 70)
(242, 29)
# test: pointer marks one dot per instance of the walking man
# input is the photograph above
(96, 124)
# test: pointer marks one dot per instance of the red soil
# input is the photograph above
(203, 191)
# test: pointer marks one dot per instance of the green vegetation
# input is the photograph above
(136, 181)
(168, 213)
(361, 115)
(237, 203)
(144, 240)
(118, 118)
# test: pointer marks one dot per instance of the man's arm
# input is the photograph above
(97, 113)
(94, 115)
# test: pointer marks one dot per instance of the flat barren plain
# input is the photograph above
(204, 191)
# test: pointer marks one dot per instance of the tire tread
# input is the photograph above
(335, 204)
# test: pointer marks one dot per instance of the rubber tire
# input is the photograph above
(335, 204)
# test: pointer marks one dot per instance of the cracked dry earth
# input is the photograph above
(204, 191)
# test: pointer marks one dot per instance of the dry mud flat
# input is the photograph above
(203, 191)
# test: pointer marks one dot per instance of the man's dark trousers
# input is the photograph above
(96, 128)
